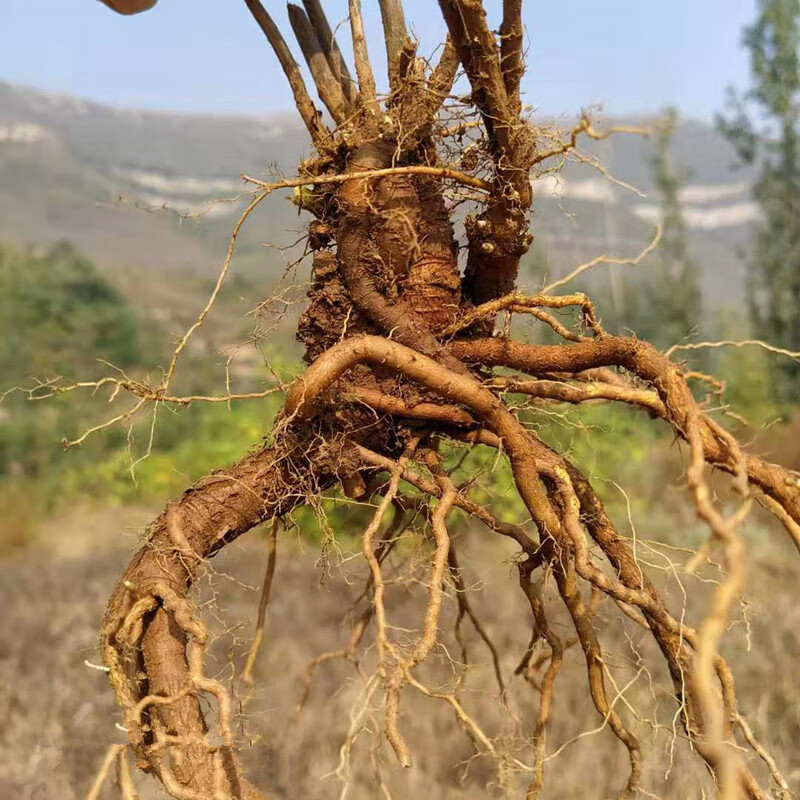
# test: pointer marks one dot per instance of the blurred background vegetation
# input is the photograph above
(64, 316)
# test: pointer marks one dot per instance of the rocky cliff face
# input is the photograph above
(140, 189)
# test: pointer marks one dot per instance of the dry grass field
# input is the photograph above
(59, 714)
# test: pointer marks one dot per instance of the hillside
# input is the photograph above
(112, 181)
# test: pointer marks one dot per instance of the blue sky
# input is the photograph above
(630, 56)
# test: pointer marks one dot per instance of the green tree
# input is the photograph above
(58, 316)
(663, 303)
(763, 126)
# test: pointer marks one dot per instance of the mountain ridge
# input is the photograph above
(121, 184)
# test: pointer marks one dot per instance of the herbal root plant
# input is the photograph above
(405, 362)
